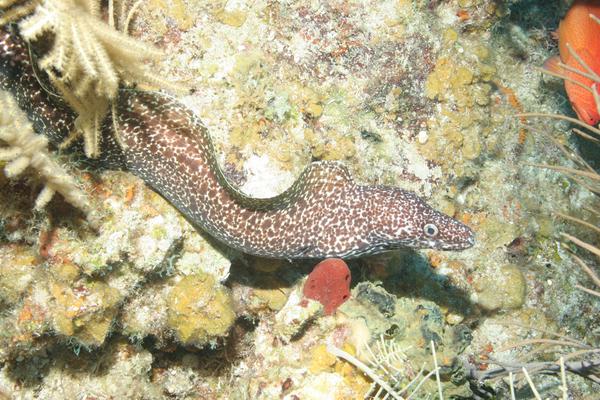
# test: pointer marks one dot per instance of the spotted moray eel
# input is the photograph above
(323, 214)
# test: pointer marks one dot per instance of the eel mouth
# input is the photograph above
(462, 245)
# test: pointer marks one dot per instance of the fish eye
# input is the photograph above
(430, 230)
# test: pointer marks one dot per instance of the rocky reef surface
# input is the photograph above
(421, 95)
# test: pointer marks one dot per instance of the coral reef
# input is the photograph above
(414, 94)
(503, 290)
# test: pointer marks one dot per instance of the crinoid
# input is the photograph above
(389, 369)
(28, 149)
(89, 58)
(14, 9)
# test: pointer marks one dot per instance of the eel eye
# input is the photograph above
(430, 230)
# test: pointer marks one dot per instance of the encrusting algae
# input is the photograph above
(199, 310)
(462, 85)
(84, 313)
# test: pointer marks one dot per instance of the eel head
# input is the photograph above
(408, 221)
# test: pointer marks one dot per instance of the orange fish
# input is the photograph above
(582, 33)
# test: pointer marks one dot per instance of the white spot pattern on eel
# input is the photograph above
(324, 214)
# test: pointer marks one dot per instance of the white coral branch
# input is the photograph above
(28, 149)
(37, 24)
(89, 57)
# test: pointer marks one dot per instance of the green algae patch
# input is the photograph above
(17, 271)
(502, 292)
(175, 10)
(84, 312)
(199, 310)
(64, 271)
(235, 18)
(459, 82)
(270, 295)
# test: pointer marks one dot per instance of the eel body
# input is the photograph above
(323, 214)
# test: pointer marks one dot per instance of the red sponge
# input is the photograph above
(329, 284)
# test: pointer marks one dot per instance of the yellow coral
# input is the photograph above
(84, 312)
(199, 310)
(235, 18)
(18, 266)
(505, 290)
(64, 271)
(321, 360)
(272, 293)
